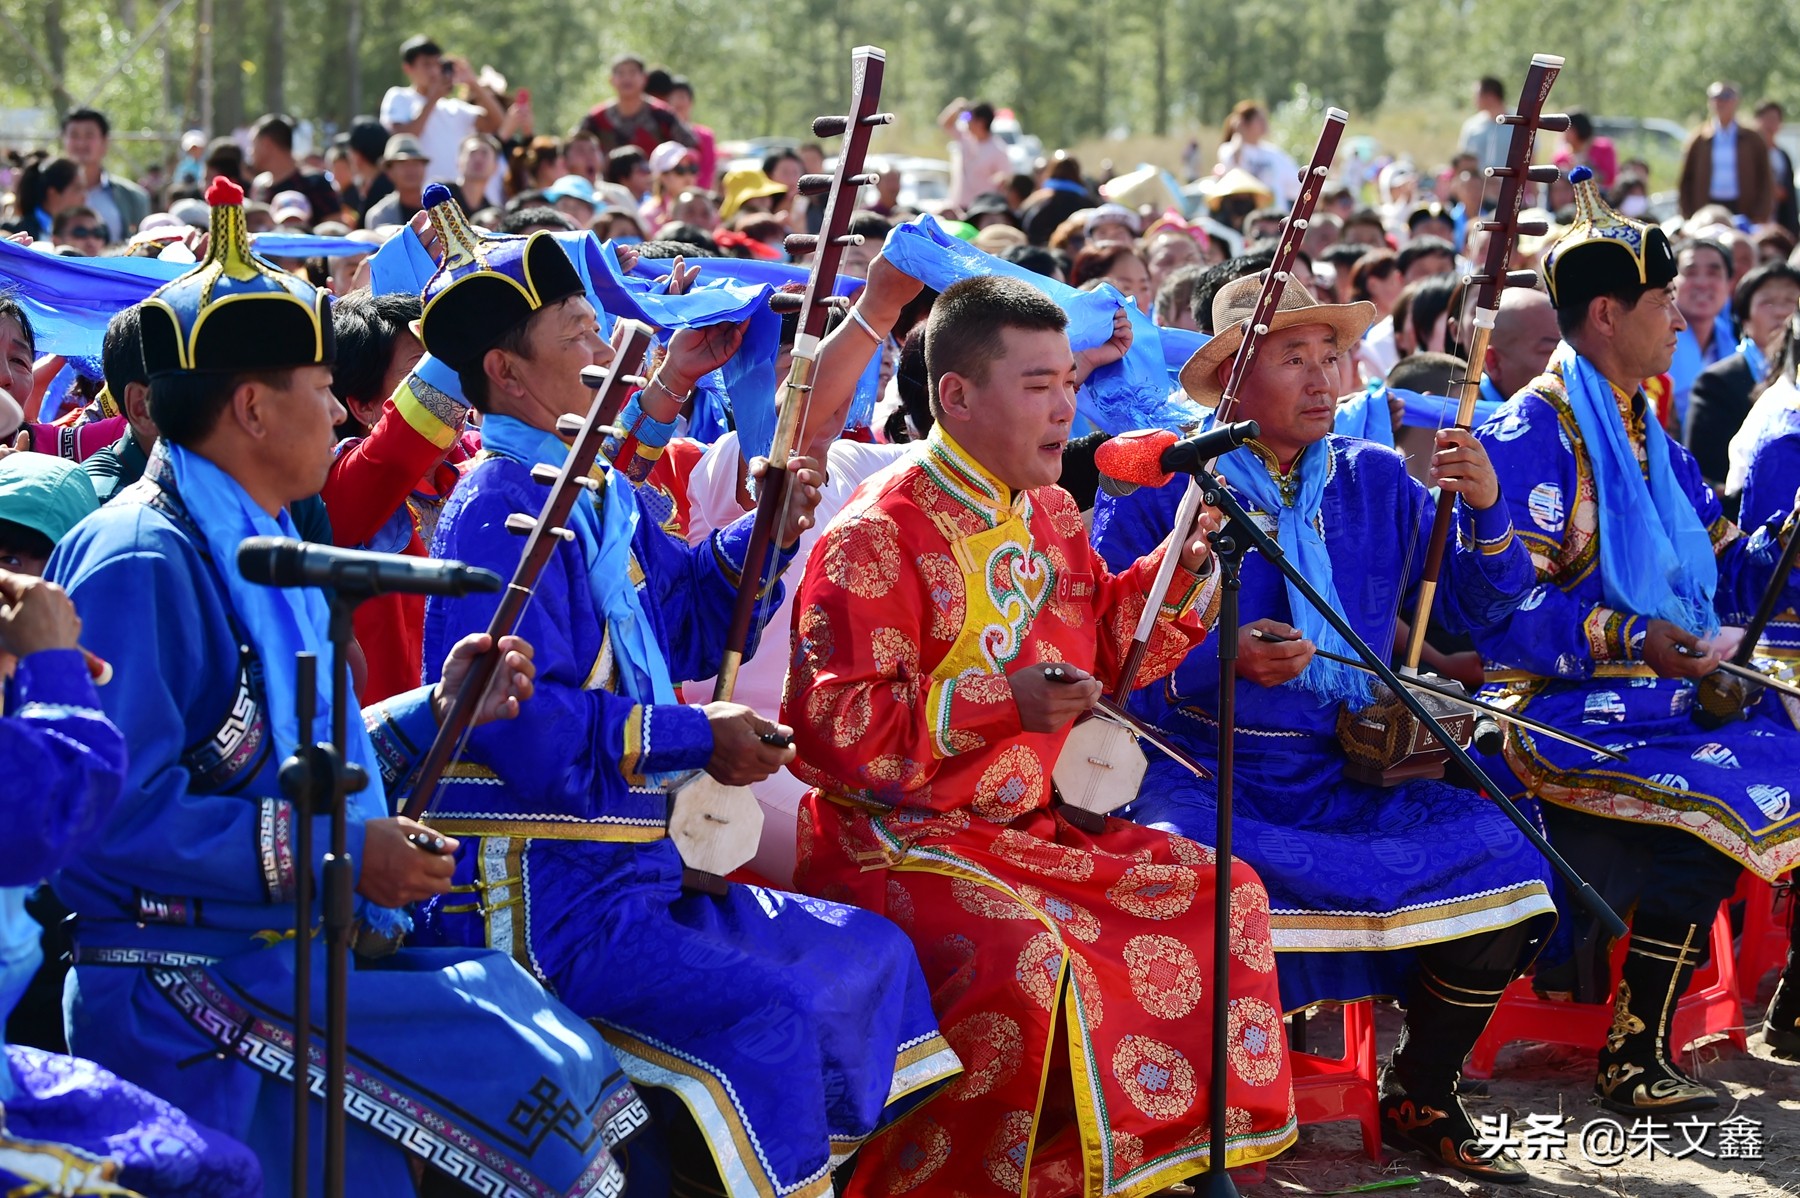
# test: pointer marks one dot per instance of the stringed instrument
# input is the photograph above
(717, 827)
(1727, 695)
(1383, 743)
(542, 533)
(1101, 754)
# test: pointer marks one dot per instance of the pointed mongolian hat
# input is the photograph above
(235, 312)
(1603, 251)
(486, 284)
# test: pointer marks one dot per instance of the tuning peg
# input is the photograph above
(1543, 174)
(830, 126)
(545, 473)
(1553, 123)
(569, 425)
(1521, 278)
(799, 243)
(632, 380)
(813, 185)
(840, 302)
(785, 301)
(866, 179)
(523, 525)
(594, 377)
(1531, 228)
(876, 118)
(848, 239)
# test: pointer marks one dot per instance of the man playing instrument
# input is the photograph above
(1636, 570)
(952, 622)
(184, 959)
(771, 1033)
(1771, 488)
(1423, 890)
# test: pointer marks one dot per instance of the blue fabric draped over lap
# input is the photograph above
(1128, 394)
(1656, 558)
(1297, 531)
(283, 621)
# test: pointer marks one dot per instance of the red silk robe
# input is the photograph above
(1070, 972)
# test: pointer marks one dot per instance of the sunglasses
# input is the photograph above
(83, 231)
(683, 168)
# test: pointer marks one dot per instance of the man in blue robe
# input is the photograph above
(1423, 890)
(786, 1029)
(1636, 570)
(1771, 491)
(184, 948)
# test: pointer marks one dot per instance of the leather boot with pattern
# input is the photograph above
(1637, 1076)
(1781, 1026)
(1420, 1109)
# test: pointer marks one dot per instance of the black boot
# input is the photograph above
(1781, 1026)
(1420, 1110)
(1636, 1075)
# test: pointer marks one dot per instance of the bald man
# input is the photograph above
(1524, 337)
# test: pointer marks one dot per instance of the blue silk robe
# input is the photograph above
(1358, 875)
(790, 1028)
(1567, 658)
(66, 1122)
(184, 955)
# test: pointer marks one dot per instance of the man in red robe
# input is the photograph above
(1070, 971)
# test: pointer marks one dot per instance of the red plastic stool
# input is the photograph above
(1327, 1089)
(1763, 944)
(1710, 1006)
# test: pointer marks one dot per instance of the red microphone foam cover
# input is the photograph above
(1136, 457)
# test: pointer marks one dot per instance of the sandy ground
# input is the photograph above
(1537, 1079)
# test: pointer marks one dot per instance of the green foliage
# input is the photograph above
(1072, 69)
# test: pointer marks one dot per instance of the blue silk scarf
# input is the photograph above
(1656, 558)
(603, 528)
(283, 621)
(1297, 530)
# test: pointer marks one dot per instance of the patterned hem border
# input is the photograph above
(712, 1102)
(1652, 804)
(1249, 1149)
(1315, 931)
(369, 1099)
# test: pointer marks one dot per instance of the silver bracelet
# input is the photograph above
(867, 327)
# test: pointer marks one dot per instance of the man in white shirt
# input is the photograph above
(428, 111)
(980, 161)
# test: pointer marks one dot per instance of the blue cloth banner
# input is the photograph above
(70, 300)
(1128, 394)
(307, 245)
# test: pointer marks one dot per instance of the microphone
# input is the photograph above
(285, 562)
(1151, 457)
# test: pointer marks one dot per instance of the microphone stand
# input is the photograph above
(318, 780)
(1228, 553)
(1239, 534)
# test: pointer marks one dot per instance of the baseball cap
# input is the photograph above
(193, 213)
(1721, 90)
(193, 139)
(45, 493)
(667, 156)
(291, 205)
(404, 147)
(1113, 213)
(570, 187)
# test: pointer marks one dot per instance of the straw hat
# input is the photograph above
(1231, 311)
(1235, 182)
